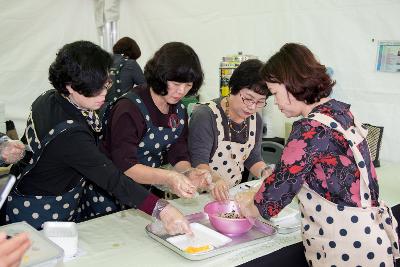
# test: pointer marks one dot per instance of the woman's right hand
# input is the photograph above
(220, 190)
(180, 185)
(12, 151)
(12, 250)
(174, 222)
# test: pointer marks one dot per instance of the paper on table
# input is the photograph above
(203, 236)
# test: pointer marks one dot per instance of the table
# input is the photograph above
(119, 239)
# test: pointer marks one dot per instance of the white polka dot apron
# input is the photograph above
(81, 202)
(337, 235)
(229, 157)
(115, 73)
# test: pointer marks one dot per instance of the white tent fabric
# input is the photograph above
(343, 34)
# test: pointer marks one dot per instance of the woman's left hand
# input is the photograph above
(200, 178)
(245, 201)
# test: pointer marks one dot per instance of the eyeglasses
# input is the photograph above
(250, 102)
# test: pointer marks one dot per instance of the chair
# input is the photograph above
(271, 152)
(374, 140)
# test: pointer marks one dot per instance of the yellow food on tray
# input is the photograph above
(193, 250)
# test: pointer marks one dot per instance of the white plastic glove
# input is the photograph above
(220, 190)
(245, 201)
(12, 151)
(12, 250)
(180, 185)
(174, 222)
(201, 178)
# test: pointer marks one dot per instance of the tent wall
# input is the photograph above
(343, 35)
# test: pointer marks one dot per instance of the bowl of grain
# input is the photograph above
(225, 218)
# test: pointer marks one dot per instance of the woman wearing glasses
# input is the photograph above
(66, 177)
(147, 127)
(225, 134)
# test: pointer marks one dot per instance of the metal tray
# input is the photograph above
(261, 232)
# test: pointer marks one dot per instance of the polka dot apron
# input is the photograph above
(83, 201)
(156, 142)
(229, 157)
(153, 147)
(336, 235)
(116, 91)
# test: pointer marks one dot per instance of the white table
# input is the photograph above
(120, 239)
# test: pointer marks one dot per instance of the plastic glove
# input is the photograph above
(245, 201)
(220, 190)
(12, 250)
(267, 171)
(180, 185)
(12, 151)
(200, 178)
(174, 222)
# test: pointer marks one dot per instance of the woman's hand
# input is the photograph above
(174, 222)
(245, 201)
(180, 185)
(201, 178)
(12, 250)
(12, 151)
(220, 190)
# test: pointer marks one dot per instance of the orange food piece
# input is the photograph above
(193, 250)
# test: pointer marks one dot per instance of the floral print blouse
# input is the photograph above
(321, 157)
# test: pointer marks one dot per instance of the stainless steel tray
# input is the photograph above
(261, 232)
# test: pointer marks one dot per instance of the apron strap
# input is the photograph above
(218, 119)
(354, 136)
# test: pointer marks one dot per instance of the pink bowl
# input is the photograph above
(231, 227)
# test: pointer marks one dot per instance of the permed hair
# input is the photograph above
(295, 66)
(247, 75)
(82, 65)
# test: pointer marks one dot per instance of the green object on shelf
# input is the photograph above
(190, 99)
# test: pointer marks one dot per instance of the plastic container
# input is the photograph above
(227, 226)
(42, 252)
(64, 234)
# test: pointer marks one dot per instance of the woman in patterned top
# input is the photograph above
(327, 164)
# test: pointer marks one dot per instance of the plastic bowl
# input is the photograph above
(231, 227)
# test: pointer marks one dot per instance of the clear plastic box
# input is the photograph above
(42, 252)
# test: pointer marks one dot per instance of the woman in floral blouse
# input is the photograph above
(327, 164)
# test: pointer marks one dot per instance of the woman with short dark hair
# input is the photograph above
(326, 163)
(125, 71)
(225, 134)
(148, 127)
(66, 177)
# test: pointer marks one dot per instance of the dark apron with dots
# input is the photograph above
(115, 91)
(153, 147)
(83, 201)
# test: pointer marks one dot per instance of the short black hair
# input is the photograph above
(177, 62)
(247, 75)
(128, 47)
(81, 64)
